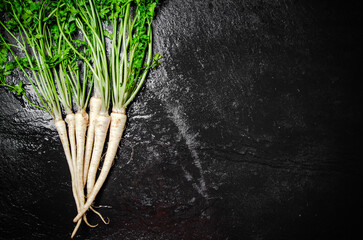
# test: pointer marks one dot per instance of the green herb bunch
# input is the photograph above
(32, 25)
(68, 49)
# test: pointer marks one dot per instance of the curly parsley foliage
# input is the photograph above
(145, 13)
(141, 47)
(131, 44)
(44, 30)
(6, 68)
(32, 24)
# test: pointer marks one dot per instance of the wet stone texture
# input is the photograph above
(248, 130)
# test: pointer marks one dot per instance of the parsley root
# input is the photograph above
(94, 109)
(65, 60)
(117, 126)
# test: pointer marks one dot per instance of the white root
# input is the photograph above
(81, 129)
(118, 121)
(78, 123)
(100, 215)
(70, 119)
(62, 132)
(101, 128)
(79, 224)
(76, 228)
(94, 109)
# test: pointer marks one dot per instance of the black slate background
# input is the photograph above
(250, 129)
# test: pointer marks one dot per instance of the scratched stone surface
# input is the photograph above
(250, 129)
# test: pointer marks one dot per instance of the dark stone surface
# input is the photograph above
(249, 130)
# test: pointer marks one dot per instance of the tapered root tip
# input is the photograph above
(76, 228)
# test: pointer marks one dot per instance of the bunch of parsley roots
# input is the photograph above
(79, 56)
